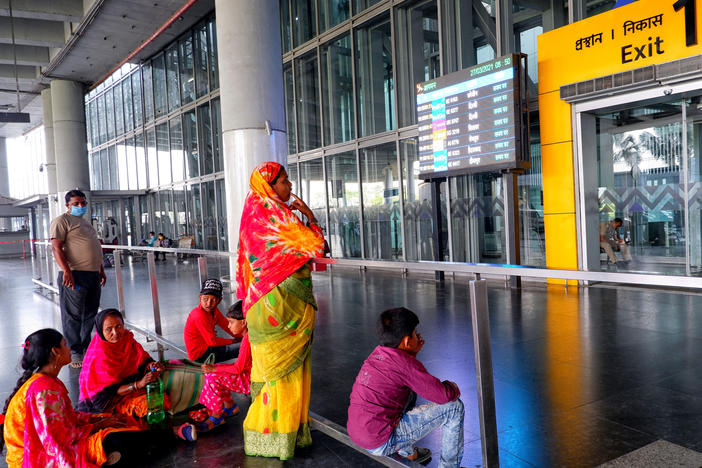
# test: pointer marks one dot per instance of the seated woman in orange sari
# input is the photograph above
(116, 369)
(41, 428)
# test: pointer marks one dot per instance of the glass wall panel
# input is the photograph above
(200, 55)
(360, 5)
(306, 82)
(131, 164)
(209, 211)
(312, 189)
(694, 171)
(177, 154)
(531, 206)
(418, 206)
(145, 215)
(344, 201)
(164, 156)
(289, 109)
(95, 177)
(167, 214)
(114, 173)
(102, 122)
(418, 54)
(285, 25)
(382, 218)
(337, 91)
(205, 132)
(477, 218)
(217, 130)
(331, 13)
(148, 92)
(181, 212)
(136, 93)
(187, 79)
(128, 105)
(109, 114)
(152, 157)
(304, 22)
(156, 207)
(159, 72)
(172, 78)
(196, 219)
(293, 176)
(104, 170)
(119, 111)
(212, 54)
(222, 236)
(122, 165)
(374, 77)
(94, 131)
(190, 145)
(140, 161)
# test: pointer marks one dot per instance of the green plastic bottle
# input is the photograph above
(154, 402)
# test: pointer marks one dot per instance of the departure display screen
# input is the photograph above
(470, 120)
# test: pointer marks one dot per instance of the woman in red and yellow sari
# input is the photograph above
(275, 284)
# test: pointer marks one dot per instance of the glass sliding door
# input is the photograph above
(638, 163)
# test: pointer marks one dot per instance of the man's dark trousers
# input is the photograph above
(79, 305)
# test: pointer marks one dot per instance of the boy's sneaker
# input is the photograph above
(420, 455)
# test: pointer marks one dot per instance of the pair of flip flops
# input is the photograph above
(203, 416)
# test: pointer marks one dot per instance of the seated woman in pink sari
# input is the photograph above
(116, 369)
(41, 428)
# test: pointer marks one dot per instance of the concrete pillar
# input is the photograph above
(70, 145)
(49, 167)
(4, 170)
(5, 224)
(251, 92)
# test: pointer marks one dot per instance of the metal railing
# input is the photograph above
(478, 310)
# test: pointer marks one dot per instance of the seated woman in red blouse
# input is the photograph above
(200, 333)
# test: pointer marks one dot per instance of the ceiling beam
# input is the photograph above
(26, 55)
(23, 72)
(53, 10)
(33, 32)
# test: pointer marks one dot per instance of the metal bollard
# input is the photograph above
(483, 372)
(150, 258)
(202, 268)
(120, 285)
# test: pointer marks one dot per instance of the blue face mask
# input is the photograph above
(78, 210)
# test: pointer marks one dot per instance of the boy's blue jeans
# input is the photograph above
(422, 420)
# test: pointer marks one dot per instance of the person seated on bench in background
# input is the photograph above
(200, 332)
(610, 241)
(116, 371)
(382, 416)
(41, 428)
(161, 241)
(222, 379)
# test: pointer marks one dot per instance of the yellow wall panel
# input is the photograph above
(561, 245)
(554, 119)
(558, 179)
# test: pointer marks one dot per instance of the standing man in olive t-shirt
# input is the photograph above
(78, 253)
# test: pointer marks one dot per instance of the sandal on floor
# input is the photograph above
(199, 416)
(203, 427)
(234, 410)
(186, 431)
(420, 455)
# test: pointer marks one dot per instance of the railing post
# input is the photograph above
(120, 285)
(202, 268)
(150, 258)
(483, 372)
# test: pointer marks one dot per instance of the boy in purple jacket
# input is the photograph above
(381, 417)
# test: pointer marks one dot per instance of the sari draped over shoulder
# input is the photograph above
(106, 367)
(43, 430)
(275, 285)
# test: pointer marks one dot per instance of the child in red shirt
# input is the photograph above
(200, 335)
(222, 379)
